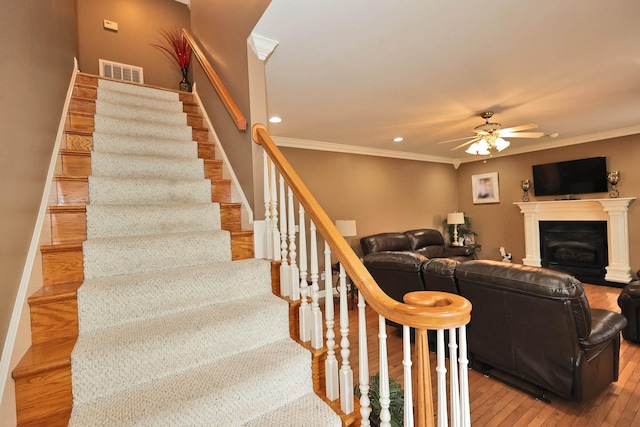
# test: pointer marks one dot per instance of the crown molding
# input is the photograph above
(262, 46)
(187, 2)
(306, 144)
(353, 149)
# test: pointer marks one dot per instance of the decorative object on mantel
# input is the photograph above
(526, 185)
(614, 177)
(485, 188)
(455, 219)
(180, 50)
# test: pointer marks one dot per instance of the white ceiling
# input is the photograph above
(361, 72)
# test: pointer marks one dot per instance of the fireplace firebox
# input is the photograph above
(577, 247)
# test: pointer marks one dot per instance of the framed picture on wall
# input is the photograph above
(485, 188)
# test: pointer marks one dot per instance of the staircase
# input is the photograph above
(153, 310)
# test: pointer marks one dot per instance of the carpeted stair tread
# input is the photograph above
(115, 301)
(113, 256)
(137, 128)
(116, 190)
(149, 350)
(228, 393)
(136, 220)
(115, 143)
(307, 411)
(171, 113)
(136, 166)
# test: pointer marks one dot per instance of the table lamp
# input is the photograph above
(455, 219)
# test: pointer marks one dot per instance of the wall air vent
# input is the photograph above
(118, 71)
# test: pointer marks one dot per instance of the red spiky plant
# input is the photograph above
(176, 46)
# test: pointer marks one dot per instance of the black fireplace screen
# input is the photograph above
(577, 247)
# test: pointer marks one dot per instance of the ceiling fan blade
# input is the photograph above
(457, 139)
(466, 143)
(518, 128)
(523, 135)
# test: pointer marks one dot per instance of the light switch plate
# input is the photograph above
(110, 25)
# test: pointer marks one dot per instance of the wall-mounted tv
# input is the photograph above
(571, 177)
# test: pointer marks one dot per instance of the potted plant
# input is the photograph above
(178, 47)
(396, 405)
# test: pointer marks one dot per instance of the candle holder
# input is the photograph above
(614, 177)
(525, 184)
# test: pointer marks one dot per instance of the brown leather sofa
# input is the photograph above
(629, 303)
(536, 325)
(396, 260)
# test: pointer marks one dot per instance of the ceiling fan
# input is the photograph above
(492, 135)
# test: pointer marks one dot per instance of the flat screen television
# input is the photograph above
(571, 177)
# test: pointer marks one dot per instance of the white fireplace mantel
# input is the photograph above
(614, 211)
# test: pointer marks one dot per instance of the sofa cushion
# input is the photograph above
(394, 260)
(439, 275)
(385, 242)
(424, 237)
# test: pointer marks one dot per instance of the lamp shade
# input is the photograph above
(455, 218)
(346, 227)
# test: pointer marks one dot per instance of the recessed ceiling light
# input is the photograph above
(275, 119)
(398, 139)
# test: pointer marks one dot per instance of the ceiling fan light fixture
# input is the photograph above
(501, 144)
(473, 149)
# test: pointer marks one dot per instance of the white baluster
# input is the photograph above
(441, 371)
(304, 311)
(316, 314)
(385, 400)
(465, 414)
(454, 392)
(268, 236)
(365, 402)
(331, 363)
(273, 191)
(346, 373)
(285, 271)
(293, 267)
(406, 364)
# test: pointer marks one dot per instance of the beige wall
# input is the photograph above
(37, 49)
(502, 224)
(222, 28)
(139, 23)
(381, 194)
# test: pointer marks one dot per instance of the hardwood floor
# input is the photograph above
(496, 404)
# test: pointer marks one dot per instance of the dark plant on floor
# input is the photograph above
(396, 405)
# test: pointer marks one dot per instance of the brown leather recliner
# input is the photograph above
(629, 303)
(536, 324)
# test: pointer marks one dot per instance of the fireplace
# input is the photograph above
(577, 247)
(613, 211)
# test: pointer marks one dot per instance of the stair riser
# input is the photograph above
(81, 121)
(84, 142)
(54, 320)
(79, 164)
(74, 191)
(62, 265)
(54, 384)
(241, 247)
(68, 226)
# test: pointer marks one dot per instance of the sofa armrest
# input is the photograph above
(605, 325)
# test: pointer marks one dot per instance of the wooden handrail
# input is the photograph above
(233, 109)
(422, 311)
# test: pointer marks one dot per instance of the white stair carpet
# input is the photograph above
(172, 331)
